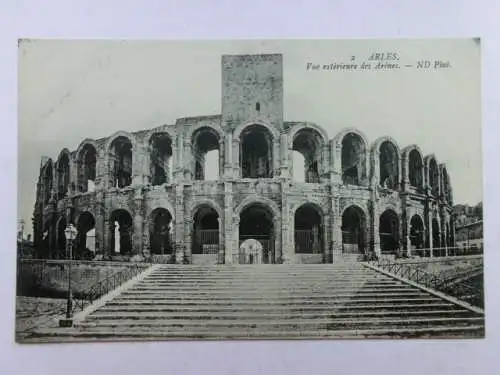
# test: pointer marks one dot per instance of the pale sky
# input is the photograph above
(71, 90)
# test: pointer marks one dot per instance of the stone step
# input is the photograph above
(271, 308)
(103, 315)
(266, 282)
(197, 279)
(230, 295)
(252, 300)
(58, 335)
(284, 289)
(290, 324)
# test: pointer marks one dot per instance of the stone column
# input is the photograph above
(326, 238)
(336, 228)
(228, 247)
(444, 237)
(236, 158)
(235, 245)
(277, 229)
(429, 231)
(180, 157)
(376, 230)
(375, 178)
(189, 163)
(101, 170)
(336, 162)
(284, 155)
(73, 176)
(108, 232)
(138, 226)
(406, 173)
(287, 249)
(220, 255)
(188, 238)
(179, 223)
(175, 160)
(99, 224)
(228, 160)
(407, 231)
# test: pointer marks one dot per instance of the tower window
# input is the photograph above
(257, 106)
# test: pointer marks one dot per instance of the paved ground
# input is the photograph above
(32, 313)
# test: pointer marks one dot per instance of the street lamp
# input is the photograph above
(70, 234)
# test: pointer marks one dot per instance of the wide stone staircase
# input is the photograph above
(345, 300)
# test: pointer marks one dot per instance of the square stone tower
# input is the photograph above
(252, 89)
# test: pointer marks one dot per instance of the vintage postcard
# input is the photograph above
(249, 189)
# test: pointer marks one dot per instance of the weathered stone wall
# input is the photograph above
(252, 93)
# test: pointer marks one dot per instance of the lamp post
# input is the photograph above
(70, 234)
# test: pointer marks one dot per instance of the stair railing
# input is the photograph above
(463, 290)
(106, 285)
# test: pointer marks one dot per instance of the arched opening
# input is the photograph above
(389, 232)
(353, 231)
(389, 166)
(160, 232)
(417, 234)
(62, 176)
(309, 144)
(47, 182)
(353, 160)
(121, 232)
(205, 231)
(61, 238)
(85, 238)
(86, 162)
(308, 230)
(160, 159)
(435, 234)
(415, 169)
(206, 153)
(434, 177)
(256, 222)
(256, 156)
(120, 160)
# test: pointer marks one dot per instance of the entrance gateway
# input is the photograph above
(256, 235)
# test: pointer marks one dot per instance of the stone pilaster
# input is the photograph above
(336, 228)
(324, 164)
(284, 171)
(137, 245)
(236, 158)
(336, 162)
(100, 213)
(429, 231)
(326, 238)
(287, 248)
(188, 238)
(228, 223)
(101, 170)
(137, 165)
(228, 156)
(235, 245)
(188, 165)
(220, 255)
(375, 235)
(406, 233)
(179, 223)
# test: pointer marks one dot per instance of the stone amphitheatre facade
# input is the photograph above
(145, 196)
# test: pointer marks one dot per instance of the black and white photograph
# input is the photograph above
(249, 189)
